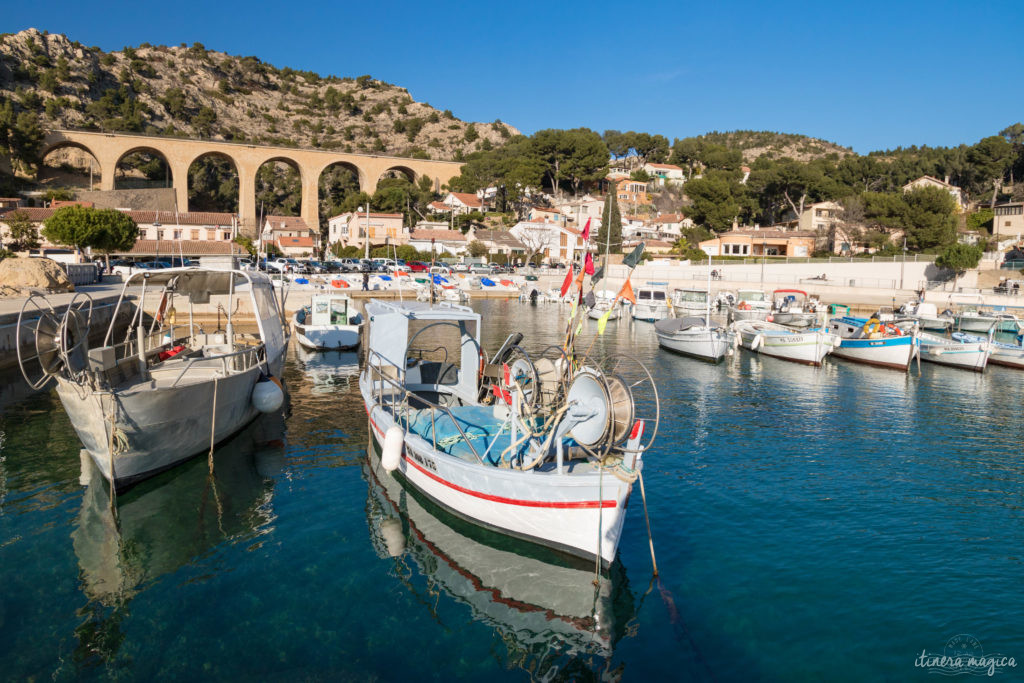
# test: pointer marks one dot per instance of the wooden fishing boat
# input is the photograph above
(1000, 353)
(792, 307)
(751, 304)
(545, 450)
(971, 355)
(772, 339)
(872, 342)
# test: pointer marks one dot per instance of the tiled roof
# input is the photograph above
(667, 167)
(186, 247)
(499, 237)
(669, 218)
(285, 223)
(467, 198)
(439, 235)
(439, 206)
(750, 232)
(657, 243)
(305, 242)
(362, 214)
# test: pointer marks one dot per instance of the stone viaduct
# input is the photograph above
(110, 148)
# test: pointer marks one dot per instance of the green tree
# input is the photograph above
(105, 230)
(24, 234)
(930, 218)
(714, 200)
(477, 249)
(980, 220)
(959, 258)
(610, 233)
(991, 158)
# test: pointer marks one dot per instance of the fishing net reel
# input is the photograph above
(622, 406)
(58, 342)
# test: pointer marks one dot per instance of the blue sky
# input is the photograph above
(869, 75)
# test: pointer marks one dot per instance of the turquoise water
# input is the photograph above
(809, 523)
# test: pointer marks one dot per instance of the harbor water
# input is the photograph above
(809, 523)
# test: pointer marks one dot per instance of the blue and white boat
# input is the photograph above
(771, 339)
(870, 341)
(972, 355)
(1001, 353)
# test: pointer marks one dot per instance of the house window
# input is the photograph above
(227, 236)
(159, 234)
(194, 235)
(177, 234)
(562, 239)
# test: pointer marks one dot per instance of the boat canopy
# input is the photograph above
(194, 282)
(395, 323)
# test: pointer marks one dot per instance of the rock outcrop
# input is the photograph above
(23, 276)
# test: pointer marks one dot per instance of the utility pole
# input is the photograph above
(764, 252)
(903, 264)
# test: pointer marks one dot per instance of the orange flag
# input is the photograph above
(568, 281)
(627, 292)
(579, 279)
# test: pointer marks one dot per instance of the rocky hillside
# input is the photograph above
(196, 92)
(757, 143)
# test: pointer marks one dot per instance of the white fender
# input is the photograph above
(757, 342)
(267, 396)
(394, 440)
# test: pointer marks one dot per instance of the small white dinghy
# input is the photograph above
(605, 302)
(328, 323)
(967, 355)
(772, 339)
(694, 337)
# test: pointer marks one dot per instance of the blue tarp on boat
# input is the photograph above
(438, 280)
(386, 278)
(301, 281)
(487, 282)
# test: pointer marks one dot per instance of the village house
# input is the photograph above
(537, 213)
(195, 233)
(9, 203)
(1008, 220)
(579, 211)
(462, 202)
(928, 181)
(431, 238)
(757, 241)
(557, 243)
(350, 229)
(497, 241)
(664, 174)
(669, 226)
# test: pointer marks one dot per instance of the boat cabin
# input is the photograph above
(330, 309)
(651, 295)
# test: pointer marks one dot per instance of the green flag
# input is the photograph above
(598, 274)
(634, 258)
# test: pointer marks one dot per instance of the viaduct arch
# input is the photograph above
(109, 148)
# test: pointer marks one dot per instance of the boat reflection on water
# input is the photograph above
(543, 604)
(327, 370)
(164, 523)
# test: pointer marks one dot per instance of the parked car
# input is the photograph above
(481, 268)
(315, 267)
(285, 265)
(418, 267)
(127, 269)
(350, 264)
(443, 271)
(460, 268)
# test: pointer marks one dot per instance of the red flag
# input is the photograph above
(568, 280)
(588, 264)
(586, 231)
(627, 292)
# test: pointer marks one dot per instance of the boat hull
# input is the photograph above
(569, 512)
(327, 337)
(708, 345)
(651, 313)
(889, 352)
(151, 431)
(969, 356)
(807, 348)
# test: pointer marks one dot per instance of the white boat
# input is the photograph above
(651, 304)
(536, 602)
(972, 319)
(771, 339)
(689, 302)
(872, 342)
(328, 323)
(944, 351)
(605, 301)
(539, 451)
(694, 337)
(928, 317)
(168, 390)
(1000, 353)
(792, 307)
(751, 304)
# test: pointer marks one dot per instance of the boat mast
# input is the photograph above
(707, 296)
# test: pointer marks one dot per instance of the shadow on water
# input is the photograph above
(543, 606)
(165, 523)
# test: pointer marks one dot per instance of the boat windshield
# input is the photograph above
(692, 295)
(750, 295)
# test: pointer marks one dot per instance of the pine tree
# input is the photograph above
(610, 220)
